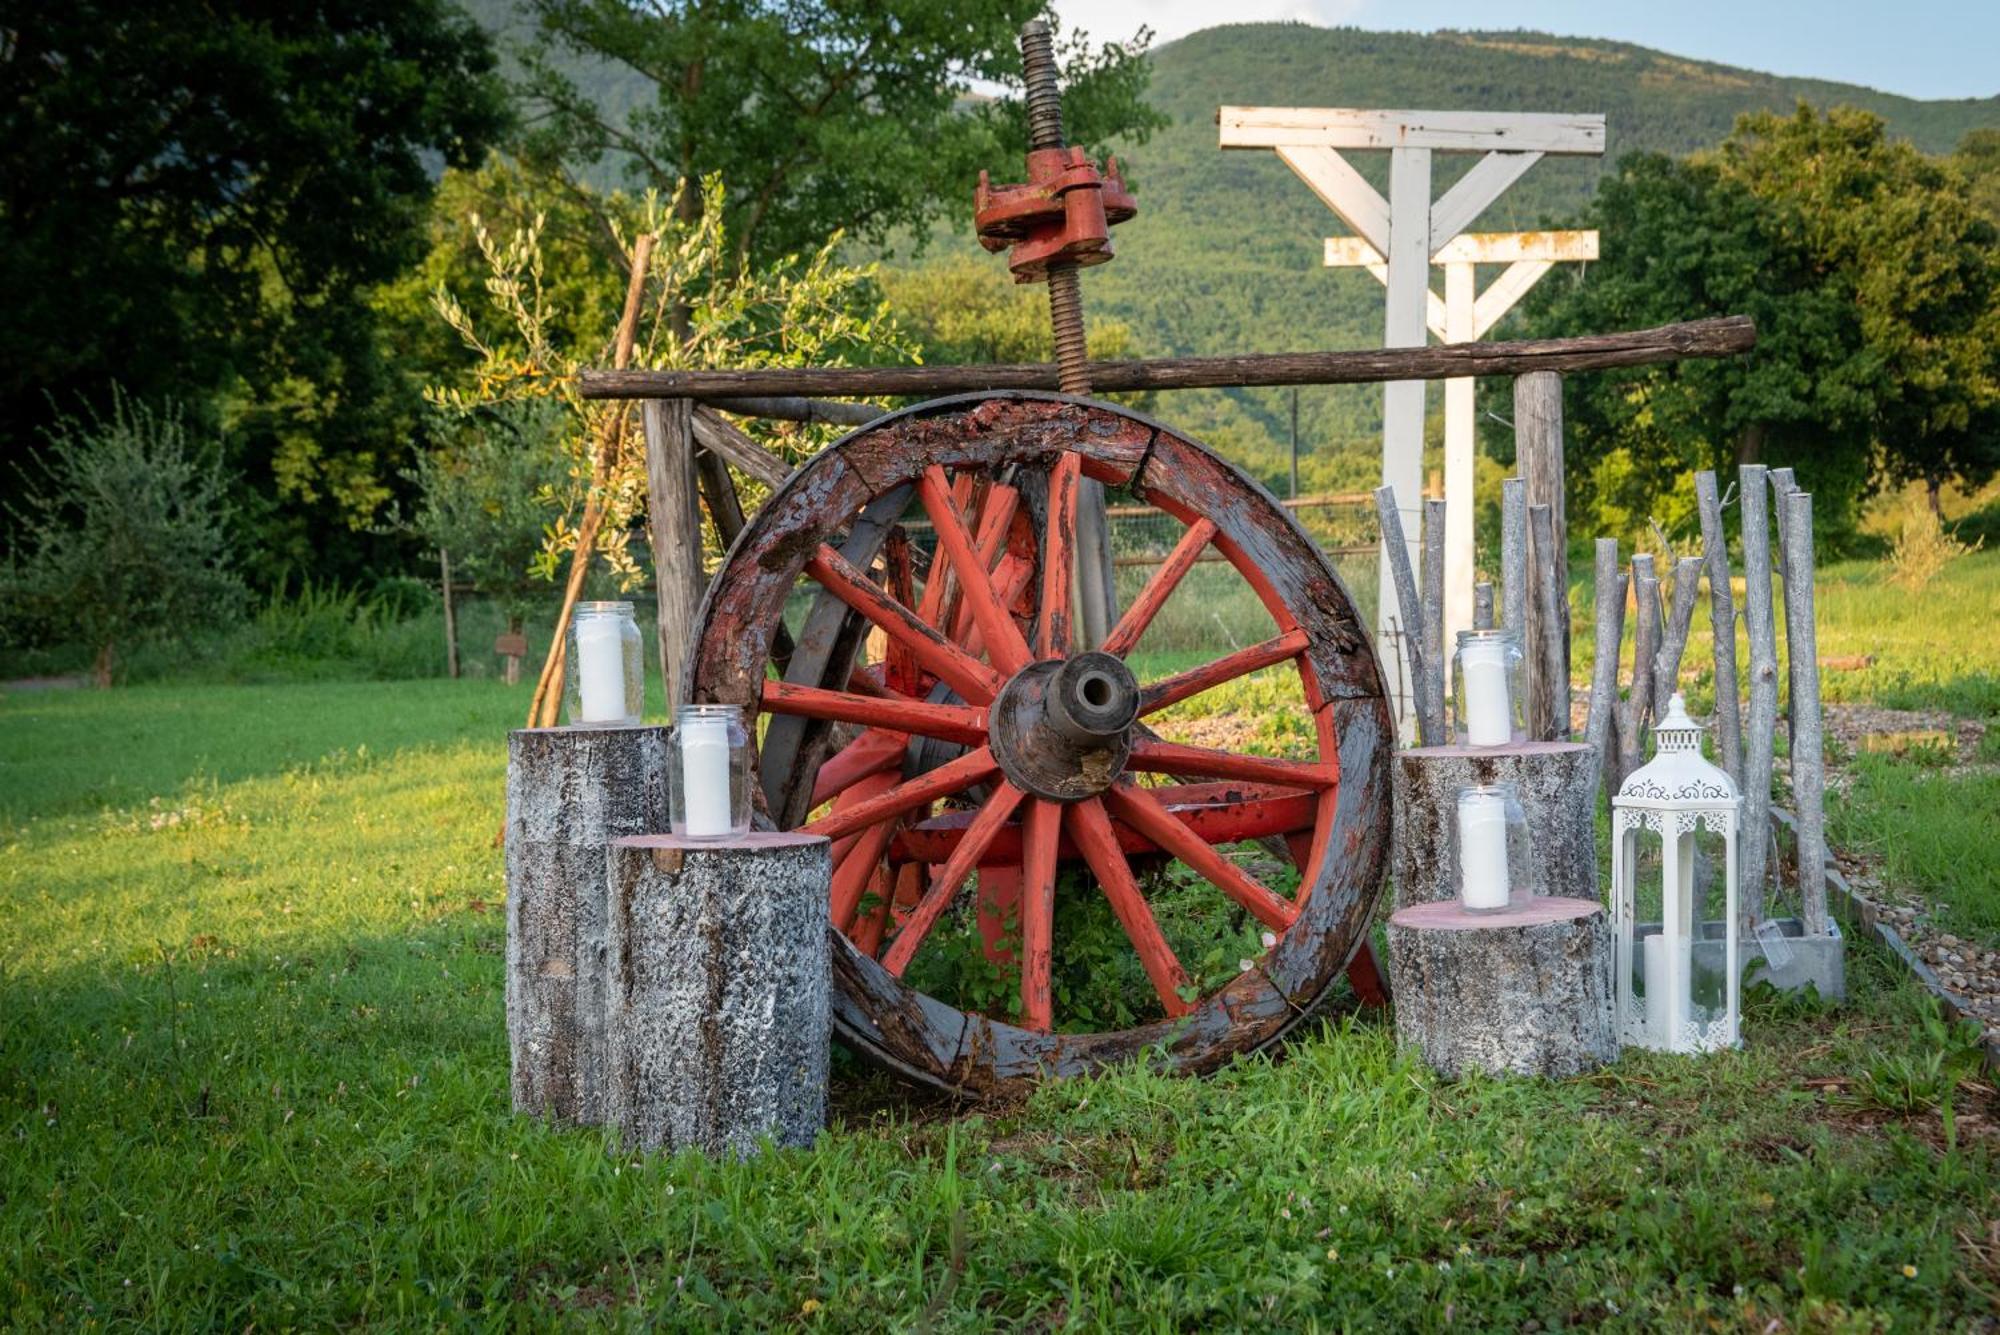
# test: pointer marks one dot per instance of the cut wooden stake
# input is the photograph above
(674, 527)
(1482, 606)
(1397, 553)
(1639, 702)
(1758, 619)
(1436, 654)
(450, 621)
(1808, 743)
(1550, 700)
(1514, 560)
(1722, 617)
(1667, 663)
(1609, 591)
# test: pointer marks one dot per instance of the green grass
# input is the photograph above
(1932, 831)
(253, 1071)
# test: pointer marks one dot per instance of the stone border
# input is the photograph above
(1858, 908)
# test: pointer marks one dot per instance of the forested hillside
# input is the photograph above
(1225, 254)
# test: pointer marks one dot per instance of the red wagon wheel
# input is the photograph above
(987, 748)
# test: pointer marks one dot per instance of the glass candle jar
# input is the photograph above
(708, 764)
(1489, 697)
(604, 673)
(1492, 847)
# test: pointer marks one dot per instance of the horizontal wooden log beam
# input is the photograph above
(1721, 337)
(795, 408)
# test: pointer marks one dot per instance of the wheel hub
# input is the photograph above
(1062, 728)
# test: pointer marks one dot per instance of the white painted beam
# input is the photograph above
(1408, 254)
(1475, 248)
(1501, 294)
(1470, 195)
(1459, 444)
(1447, 131)
(1344, 190)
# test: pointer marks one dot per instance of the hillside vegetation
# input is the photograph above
(1225, 253)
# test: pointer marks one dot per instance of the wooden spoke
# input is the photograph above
(1125, 635)
(1091, 829)
(953, 723)
(995, 521)
(1040, 829)
(1004, 644)
(1172, 690)
(871, 753)
(970, 677)
(940, 585)
(899, 665)
(867, 936)
(945, 885)
(856, 870)
(1172, 758)
(971, 768)
(1058, 558)
(1217, 813)
(1143, 812)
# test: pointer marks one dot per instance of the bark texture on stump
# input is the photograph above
(1556, 781)
(1526, 991)
(570, 792)
(721, 1006)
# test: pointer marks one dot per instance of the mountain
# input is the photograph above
(1225, 253)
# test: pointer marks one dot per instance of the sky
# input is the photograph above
(1919, 48)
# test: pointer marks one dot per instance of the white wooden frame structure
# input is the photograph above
(1464, 315)
(1408, 232)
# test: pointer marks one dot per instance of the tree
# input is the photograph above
(1978, 156)
(195, 201)
(124, 535)
(1876, 292)
(818, 117)
(1898, 234)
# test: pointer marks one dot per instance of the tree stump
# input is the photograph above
(721, 1010)
(570, 792)
(1524, 991)
(1557, 784)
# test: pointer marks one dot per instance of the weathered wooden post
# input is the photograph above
(1722, 617)
(570, 792)
(1600, 726)
(1523, 991)
(720, 1001)
(1538, 455)
(1763, 721)
(1808, 742)
(674, 526)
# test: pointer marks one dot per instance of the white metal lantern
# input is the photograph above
(1679, 980)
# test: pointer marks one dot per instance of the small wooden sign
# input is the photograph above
(511, 646)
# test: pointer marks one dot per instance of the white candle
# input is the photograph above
(600, 670)
(1664, 980)
(705, 775)
(1489, 716)
(1482, 851)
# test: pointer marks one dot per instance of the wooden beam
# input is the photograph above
(1448, 131)
(1473, 192)
(1723, 336)
(721, 438)
(1501, 294)
(1475, 248)
(1343, 189)
(796, 409)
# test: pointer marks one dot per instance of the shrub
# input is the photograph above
(1924, 547)
(123, 537)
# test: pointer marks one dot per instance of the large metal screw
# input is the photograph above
(1045, 130)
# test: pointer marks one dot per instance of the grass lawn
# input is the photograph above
(253, 1072)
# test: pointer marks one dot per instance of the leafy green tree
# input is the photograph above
(1874, 287)
(195, 201)
(819, 117)
(1978, 156)
(123, 535)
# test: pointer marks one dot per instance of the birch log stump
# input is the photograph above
(1524, 991)
(570, 792)
(1558, 788)
(721, 1006)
